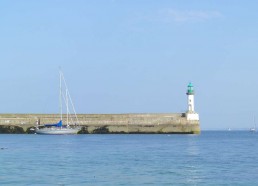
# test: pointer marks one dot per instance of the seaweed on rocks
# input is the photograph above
(11, 130)
(84, 130)
(101, 130)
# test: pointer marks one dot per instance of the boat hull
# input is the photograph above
(57, 131)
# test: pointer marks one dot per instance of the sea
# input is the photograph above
(211, 158)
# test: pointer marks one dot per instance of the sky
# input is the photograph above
(132, 56)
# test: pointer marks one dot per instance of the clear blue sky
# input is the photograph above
(132, 56)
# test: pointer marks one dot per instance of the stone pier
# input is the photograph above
(165, 123)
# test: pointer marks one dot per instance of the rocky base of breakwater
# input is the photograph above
(5, 129)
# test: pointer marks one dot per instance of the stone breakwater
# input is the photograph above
(170, 123)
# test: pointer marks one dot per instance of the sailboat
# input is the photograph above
(253, 129)
(71, 126)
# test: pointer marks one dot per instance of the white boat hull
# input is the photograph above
(57, 131)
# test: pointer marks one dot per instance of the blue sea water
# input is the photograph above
(212, 158)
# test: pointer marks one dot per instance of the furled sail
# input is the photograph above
(59, 124)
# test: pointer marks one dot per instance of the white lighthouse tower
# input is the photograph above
(191, 114)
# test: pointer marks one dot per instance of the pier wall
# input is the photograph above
(110, 123)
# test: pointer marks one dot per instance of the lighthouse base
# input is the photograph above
(192, 116)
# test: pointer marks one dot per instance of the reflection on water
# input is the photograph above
(193, 171)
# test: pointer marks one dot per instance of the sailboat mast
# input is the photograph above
(60, 95)
(254, 123)
(67, 100)
(67, 111)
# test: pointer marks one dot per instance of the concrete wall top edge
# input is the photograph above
(125, 114)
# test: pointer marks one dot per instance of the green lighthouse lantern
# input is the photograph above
(190, 89)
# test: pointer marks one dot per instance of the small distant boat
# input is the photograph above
(253, 129)
(71, 126)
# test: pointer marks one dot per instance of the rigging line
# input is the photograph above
(69, 96)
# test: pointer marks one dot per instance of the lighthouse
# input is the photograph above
(190, 113)
(190, 97)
